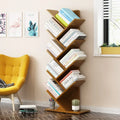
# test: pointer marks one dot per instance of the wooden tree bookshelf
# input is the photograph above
(72, 92)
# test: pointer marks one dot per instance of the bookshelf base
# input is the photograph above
(70, 112)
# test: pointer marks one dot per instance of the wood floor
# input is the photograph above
(7, 114)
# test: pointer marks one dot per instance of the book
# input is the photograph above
(74, 59)
(75, 36)
(71, 35)
(71, 56)
(72, 71)
(66, 16)
(28, 107)
(61, 20)
(54, 48)
(56, 86)
(54, 73)
(68, 22)
(66, 35)
(70, 13)
(71, 78)
(51, 90)
(55, 66)
(53, 27)
(68, 55)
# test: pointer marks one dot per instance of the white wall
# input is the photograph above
(103, 78)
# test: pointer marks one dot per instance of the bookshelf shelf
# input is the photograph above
(64, 100)
(74, 24)
(75, 65)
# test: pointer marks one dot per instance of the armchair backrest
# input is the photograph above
(11, 68)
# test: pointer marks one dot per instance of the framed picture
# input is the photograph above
(2, 24)
(15, 24)
(31, 24)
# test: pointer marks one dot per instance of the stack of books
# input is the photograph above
(53, 27)
(54, 48)
(71, 35)
(66, 16)
(71, 77)
(54, 68)
(28, 109)
(54, 88)
(71, 56)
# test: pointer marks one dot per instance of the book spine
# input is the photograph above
(48, 27)
(52, 47)
(70, 13)
(51, 90)
(61, 20)
(56, 46)
(56, 86)
(55, 27)
(69, 37)
(52, 71)
(65, 77)
(72, 57)
(67, 83)
(69, 54)
(82, 57)
(66, 16)
(66, 35)
(56, 67)
(66, 56)
(73, 37)
(55, 24)
(68, 22)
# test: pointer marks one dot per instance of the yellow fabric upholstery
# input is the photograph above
(13, 70)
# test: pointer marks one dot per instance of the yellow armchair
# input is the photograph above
(13, 70)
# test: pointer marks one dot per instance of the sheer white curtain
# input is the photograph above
(114, 25)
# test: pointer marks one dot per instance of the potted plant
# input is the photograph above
(110, 49)
(75, 104)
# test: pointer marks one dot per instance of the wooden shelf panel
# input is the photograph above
(51, 95)
(70, 112)
(55, 80)
(60, 64)
(75, 84)
(56, 40)
(74, 24)
(75, 65)
(74, 44)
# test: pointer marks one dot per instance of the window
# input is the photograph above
(107, 23)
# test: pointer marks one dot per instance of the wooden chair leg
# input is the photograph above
(19, 99)
(12, 97)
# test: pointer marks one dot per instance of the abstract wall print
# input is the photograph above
(2, 24)
(15, 24)
(31, 24)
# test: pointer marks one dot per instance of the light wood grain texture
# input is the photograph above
(64, 100)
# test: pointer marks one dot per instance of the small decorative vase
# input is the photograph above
(75, 105)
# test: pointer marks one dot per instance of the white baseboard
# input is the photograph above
(46, 104)
(102, 109)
